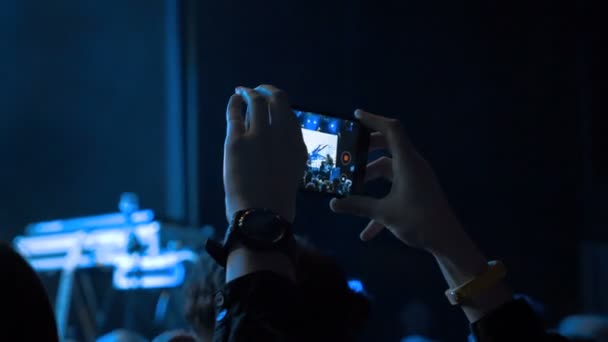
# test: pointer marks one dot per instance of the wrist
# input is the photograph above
(459, 258)
(447, 240)
(460, 261)
(284, 210)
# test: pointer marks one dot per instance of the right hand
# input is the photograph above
(415, 210)
(264, 153)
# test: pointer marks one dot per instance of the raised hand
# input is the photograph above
(264, 152)
(416, 210)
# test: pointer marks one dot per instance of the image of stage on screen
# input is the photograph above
(329, 167)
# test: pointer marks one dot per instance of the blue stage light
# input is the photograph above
(174, 277)
(89, 222)
(113, 238)
(312, 122)
(333, 126)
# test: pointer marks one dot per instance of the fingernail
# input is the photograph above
(238, 90)
(358, 113)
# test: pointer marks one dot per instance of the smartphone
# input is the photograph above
(337, 153)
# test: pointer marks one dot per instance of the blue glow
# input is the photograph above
(31, 246)
(122, 281)
(129, 262)
(57, 263)
(221, 315)
(171, 262)
(333, 126)
(356, 285)
(312, 122)
(89, 222)
(104, 240)
(161, 307)
(112, 240)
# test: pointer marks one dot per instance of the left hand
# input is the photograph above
(416, 210)
(264, 153)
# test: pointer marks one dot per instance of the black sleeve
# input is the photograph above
(514, 321)
(260, 306)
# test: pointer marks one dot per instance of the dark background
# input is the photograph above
(496, 95)
(86, 110)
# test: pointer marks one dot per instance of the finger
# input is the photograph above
(377, 141)
(235, 123)
(257, 109)
(390, 128)
(371, 231)
(379, 168)
(280, 109)
(355, 205)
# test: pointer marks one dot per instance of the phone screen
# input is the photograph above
(335, 149)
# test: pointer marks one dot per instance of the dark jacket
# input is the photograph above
(263, 306)
(26, 313)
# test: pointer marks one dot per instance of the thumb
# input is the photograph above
(355, 205)
(373, 228)
(235, 123)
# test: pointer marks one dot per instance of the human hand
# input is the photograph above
(264, 153)
(415, 210)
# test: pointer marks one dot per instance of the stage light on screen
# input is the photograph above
(312, 122)
(333, 126)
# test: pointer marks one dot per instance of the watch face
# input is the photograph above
(263, 226)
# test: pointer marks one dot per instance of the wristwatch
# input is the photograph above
(256, 229)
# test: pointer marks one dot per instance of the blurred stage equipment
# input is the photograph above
(141, 252)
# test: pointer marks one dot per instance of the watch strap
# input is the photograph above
(494, 273)
(217, 252)
(220, 251)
